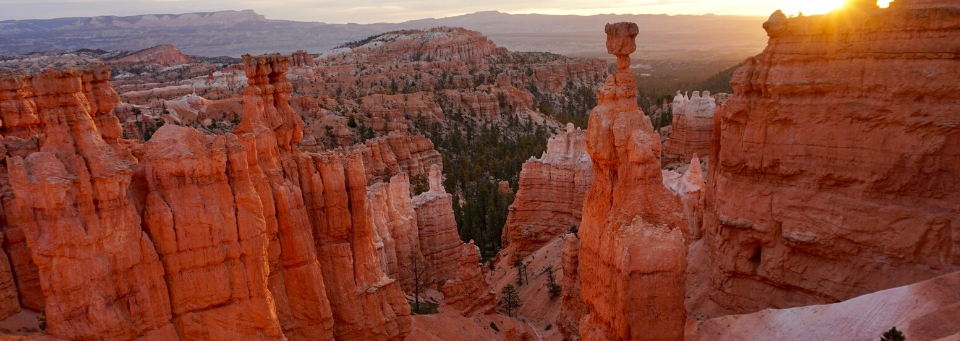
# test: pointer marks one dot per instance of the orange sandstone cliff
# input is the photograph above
(835, 170)
(189, 236)
(632, 252)
(550, 199)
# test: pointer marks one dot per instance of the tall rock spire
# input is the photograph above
(632, 253)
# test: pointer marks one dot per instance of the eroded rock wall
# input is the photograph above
(550, 199)
(399, 152)
(189, 236)
(692, 127)
(94, 262)
(836, 170)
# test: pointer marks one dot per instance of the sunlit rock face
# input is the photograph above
(190, 236)
(836, 165)
(692, 128)
(632, 250)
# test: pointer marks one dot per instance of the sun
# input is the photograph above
(809, 7)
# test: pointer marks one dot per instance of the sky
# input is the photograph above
(372, 11)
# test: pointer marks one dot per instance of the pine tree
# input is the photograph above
(510, 299)
(420, 270)
(893, 335)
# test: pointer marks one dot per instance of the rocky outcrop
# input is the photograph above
(99, 272)
(439, 241)
(205, 219)
(632, 252)
(573, 308)
(399, 152)
(160, 54)
(550, 199)
(922, 311)
(441, 44)
(836, 166)
(395, 224)
(692, 128)
(691, 189)
(190, 236)
(454, 265)
(301, 59)
(467, 291)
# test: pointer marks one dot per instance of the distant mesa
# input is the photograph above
(161, 54)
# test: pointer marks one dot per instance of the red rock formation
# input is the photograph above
(269, 132)
(550, 199)
(18, 114)
(160, 54)
(439, 240)
(395, 223)
(690, 187)
(9, 299)
(399, 152)
(467, 291)
(444, 44)
(922, 311)
(225, 237)
(836, 168)
(301, 59)
(99, 272)
(454, 265)
(632, 252)
(692, 128)
(205, 217)
(324, 231)
(573, 307)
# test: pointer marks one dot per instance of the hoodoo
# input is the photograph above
(632, 252)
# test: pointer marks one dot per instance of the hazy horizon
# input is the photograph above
(394, 11)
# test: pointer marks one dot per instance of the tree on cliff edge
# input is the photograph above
(510, 299)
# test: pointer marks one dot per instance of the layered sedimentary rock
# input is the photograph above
(399, 152)
(445, 44)
(301, 59)
(692, 128)
(205, 219)
(467, 291)
(192, 237)
(922, 311)
(573, 307)
(424, 226)
(395, 223)
(439, 241)
(99, 272)
(160, 54)
(329, 209)
(690, 187)
(836, 166)
(550, 199)
(632, 252)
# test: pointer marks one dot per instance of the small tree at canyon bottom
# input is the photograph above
(420, 271)
(510, 299)
(893, 335)
(552, 285)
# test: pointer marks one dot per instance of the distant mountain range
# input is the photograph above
(233, 33)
